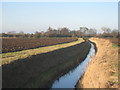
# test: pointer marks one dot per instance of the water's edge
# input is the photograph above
(70, 79)
(77, 84)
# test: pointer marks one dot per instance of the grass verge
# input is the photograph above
(115, 45)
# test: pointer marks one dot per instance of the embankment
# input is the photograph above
(102, 71)
(39, 71)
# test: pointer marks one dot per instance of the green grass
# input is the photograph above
(115, 45)
(9, 57)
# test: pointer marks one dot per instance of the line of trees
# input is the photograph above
(65, 32)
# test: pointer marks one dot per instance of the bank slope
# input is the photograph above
(40, 71)
(102, 71)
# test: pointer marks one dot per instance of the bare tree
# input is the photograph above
(106, 29)
(37, 34)
(114, 33)
(83, 30)
(11, 33)
(21, 33)
(91, 32)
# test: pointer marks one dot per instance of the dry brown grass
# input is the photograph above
(102, 71)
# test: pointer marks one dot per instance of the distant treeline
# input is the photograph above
(65, 32)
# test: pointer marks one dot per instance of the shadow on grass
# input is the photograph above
(40, 71)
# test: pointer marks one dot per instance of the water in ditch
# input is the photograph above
(70, 79)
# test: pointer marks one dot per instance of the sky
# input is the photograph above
(38, 16)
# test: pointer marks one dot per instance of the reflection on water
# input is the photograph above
(70, 79)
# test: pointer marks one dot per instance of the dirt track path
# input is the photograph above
(102, 70)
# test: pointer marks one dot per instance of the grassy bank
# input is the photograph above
(9, 57)
(39, 71)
